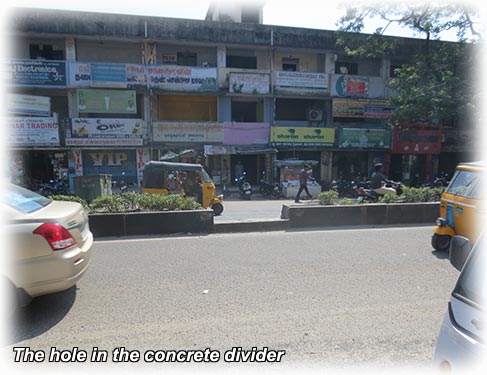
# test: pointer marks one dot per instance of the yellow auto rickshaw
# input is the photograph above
(461, 207)
(162, 177)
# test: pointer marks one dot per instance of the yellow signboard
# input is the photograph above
(297, 136)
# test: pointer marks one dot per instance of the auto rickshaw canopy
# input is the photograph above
(154, 172)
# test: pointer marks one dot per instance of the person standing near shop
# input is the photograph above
(225, 172)
(239, 169)
(304, 175)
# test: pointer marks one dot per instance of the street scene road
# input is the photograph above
(329, 298)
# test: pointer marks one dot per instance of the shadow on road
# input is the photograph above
(40, 315)
(441, 254)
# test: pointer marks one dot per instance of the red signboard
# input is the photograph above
(416, 139)
(356, 87)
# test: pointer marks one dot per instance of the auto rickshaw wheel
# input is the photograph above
(217, 208)
(440, 242)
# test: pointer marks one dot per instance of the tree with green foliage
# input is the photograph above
(436, 85)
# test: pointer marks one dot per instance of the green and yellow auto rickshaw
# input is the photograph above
(162, 177)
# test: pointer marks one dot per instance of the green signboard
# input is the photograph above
(364, 138)
(106, 101)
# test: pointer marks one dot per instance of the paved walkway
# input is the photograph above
(258, 208)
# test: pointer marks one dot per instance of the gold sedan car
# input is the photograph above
(50, 244)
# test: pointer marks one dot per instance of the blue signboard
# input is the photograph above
(121, 164)
(108, 75)
(35, 73)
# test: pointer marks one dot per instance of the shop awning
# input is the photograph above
(239, 150)
(252, 150)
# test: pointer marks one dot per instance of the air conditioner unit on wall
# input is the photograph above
(315, 115)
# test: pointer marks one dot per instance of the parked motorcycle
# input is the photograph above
(371, 196)
(344, 188)
(120, 186)
(441, 180)
(244, 187)
(55, 187)
(269, 189)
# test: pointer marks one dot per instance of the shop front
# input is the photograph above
(185, 139)
(305, 143)
(113, 146)
(245, 149)
(358, 150)
(35, 153)
(124, 165)
(415, 153)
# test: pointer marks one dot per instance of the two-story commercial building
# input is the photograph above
(92, 93)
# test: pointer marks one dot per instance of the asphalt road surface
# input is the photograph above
(341, 299)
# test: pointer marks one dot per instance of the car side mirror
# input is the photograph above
(460, 248)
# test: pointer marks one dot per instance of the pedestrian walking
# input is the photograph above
(304, 175)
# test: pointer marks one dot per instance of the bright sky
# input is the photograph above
(314, 14)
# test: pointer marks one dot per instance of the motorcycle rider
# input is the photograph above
(378, 181)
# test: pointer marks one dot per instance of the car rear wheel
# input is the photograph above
(440, 242)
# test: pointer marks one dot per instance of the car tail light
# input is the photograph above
(445, 367)
(56, 235)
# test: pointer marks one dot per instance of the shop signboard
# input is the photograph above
(188, 132)
(364, 138)
(105, 132)
(416, 139)
(182, 78)
(32, 131)
(361, 108)
(350, 85)
(249, 83)
(43, 73)
(143, 157)
(106, 101)
(302, 80)
(246, 133)
(378, 110)
(76, 162)
(220, 150)
(28, 105)
(108, 75)
(301, 136)
(79, 74)
(136, 75)
(121, 164)
(357, 86)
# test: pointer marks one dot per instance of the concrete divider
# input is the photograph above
(250, 226)
(143, 223)
(201, 221)
(367, 214)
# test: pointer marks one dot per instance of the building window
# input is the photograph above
(242, 62)
(290, 64)
(187, 108)
(247, 110)
(45, 52)
(302, 110)
(187, 59)
(342, 67)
